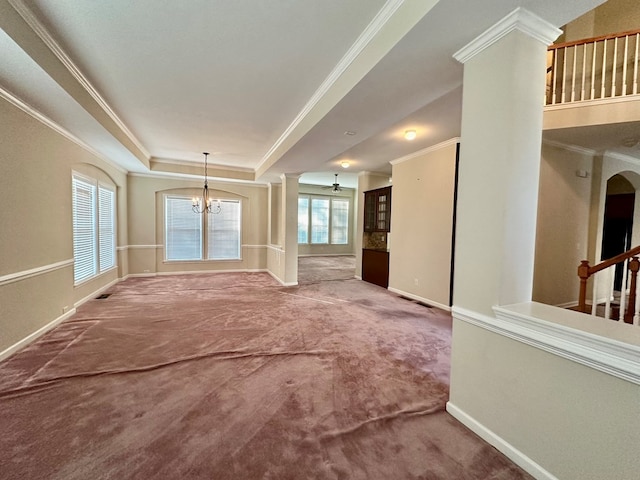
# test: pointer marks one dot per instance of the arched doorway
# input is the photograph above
(618, 221)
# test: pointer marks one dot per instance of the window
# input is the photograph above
(339, 221)
(303, 220)
(94, 240)
(185, 238)
(323, 220)
(319, 220)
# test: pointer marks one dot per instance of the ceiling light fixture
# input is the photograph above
(344, 164)
(410, 134)
(205, 204)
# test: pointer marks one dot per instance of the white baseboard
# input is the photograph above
(284, 284)
(511, 452)
(358, 277)
(418, 298)
(33, 336)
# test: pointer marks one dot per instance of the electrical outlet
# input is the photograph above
(65, 309)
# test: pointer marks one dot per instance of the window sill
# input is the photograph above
(94, 277)
(607, 346)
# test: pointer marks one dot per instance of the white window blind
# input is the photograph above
(183, 230)
(319, 220)
(303, 220)
(84, 230)
(339, 221)
(224, 232)
(106, 228)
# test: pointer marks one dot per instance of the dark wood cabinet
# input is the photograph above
(377, 210)
(375, 267)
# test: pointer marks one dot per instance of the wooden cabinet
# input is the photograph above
(377, 210)
(375, 267)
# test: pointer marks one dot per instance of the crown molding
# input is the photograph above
(621, 157)
(190, 163)
(39, 29)
(369, 33)
(424, 151)
(570, 148)
(29, 110)
(182, 176)
(520, 19)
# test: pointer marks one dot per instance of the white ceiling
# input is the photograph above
(269, 86)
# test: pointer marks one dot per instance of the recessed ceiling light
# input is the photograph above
(344, 164)
(350, 133)
(410, 134)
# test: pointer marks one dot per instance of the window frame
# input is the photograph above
(205, 233)
(98, 253)
(330, 223)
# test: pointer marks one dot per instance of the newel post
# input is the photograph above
(583, 273)
(634, 266)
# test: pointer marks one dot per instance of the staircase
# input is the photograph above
(605, 301)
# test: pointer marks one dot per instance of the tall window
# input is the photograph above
(94, 240)
(323, 220)
(193, 236)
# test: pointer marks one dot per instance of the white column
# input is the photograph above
(289, 227)
(504, 84)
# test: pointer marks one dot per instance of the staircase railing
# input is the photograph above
(628, 309)
(594, 68)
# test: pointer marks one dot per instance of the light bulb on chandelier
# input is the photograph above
(205, 204)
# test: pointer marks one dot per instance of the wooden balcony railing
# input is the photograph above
(595, 68)
(604, 292)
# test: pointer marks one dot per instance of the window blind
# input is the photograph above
(303, 220)
(319, 220)
(84, 230)
(224, 232)
(339, 221)
(183, 230)
(106, 228)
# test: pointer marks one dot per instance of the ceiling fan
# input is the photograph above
(336, 186)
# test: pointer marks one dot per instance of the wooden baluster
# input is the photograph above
(623, 289)
(604, 69)
(554, 76)
(583, 273)
(634, 266)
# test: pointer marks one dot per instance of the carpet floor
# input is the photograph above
(231, 376)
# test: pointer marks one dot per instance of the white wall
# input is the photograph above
(421, 225)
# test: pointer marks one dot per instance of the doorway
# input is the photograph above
(618, 222)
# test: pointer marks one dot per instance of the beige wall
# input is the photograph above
(577, 422)
(146, 224)
(36, 228)
(613, 16)
(348, 249)
(421, 225)
(563, 224)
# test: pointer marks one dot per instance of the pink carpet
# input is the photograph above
(230, 376)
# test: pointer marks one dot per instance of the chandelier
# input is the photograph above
(205, 204)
